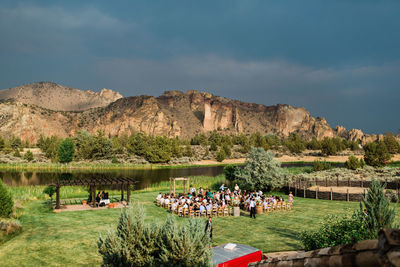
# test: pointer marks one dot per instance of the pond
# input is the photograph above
(145, 177)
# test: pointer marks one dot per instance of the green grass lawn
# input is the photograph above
(69, 238)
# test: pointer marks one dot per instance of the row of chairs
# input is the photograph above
(214, 212)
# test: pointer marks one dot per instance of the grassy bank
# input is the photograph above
(97, 166)
(35, 192)
(69, 238)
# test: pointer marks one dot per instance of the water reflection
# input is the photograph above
(144, 177)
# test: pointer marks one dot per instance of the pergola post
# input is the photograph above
(128, 194)
(94, 195)
(184, 187)
(188, 183)
(174, 186)
(170, 185)
(57, 196)
(122, 192)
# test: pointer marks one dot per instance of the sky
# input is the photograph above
(338, 59)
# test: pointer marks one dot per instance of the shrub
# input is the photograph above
(353, 163)
(16, 153)
(379, 215)
(135, 243)
(328, 147)
(49, 190)
(114, 160)
(376, 154)
(230, 171)
(334, 231)
(391, 143)
(294, 143)
(220, 155)
(261, 171)
(321, 165)
(28, 155)
(6, 201)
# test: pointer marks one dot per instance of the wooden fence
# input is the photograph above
(300, 189)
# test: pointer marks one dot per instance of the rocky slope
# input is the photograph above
(173, 114)
(56, 97)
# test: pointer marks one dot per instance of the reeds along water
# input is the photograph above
(31, 192)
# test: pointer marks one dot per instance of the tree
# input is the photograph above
(257, 140)
(376, 154)
(189, 238)
(261, 171)
(159, 150)
(321, 165)
(66, 151)
(294, 143)
(6, 201)
(314, 144)
(188, 151)
(328, 147)
(230, 171)
(220, 156)
(28, 155)
(135, 243)
(391, 143)
(16, 153)
(378, 215)
(227, 150)
(49, 190)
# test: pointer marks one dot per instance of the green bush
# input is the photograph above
(334, 231)
(28, 155)
(16, 153)
(353, 163)
(220, 155)
(294, 143)
(321, 165)
(114, 160)
(50, 191)
(135, 243)
(376, 154)
(6, 201)
(230, 171)
(391, 143)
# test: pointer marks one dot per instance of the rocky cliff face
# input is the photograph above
(56, 97)
(173, 114)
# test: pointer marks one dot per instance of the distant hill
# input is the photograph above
(51, 109)
(56, 97)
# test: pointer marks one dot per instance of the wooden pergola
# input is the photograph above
(185, 182)
(123, 183)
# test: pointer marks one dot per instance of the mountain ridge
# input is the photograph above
(174, 113)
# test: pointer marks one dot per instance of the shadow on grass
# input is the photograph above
(288, 234)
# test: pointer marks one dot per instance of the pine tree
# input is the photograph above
(378, 215)
(28, 155)
(133, 243)
(66, 151)
(184, 245)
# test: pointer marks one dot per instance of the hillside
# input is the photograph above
(42, 109)
(56, 97)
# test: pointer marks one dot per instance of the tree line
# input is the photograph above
(161, 149)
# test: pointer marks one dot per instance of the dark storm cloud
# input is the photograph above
(339, 59)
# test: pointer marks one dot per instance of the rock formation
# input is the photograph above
(51, 109)
(56, 97)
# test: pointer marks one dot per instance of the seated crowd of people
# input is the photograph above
(206, 202)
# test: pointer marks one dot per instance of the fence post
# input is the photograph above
(364, 192)
(348, 182)
(337, 181)
(326, 182)
(362, 183)
(316, 193)
(304, 191)
(331, 194)
(348, 194)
